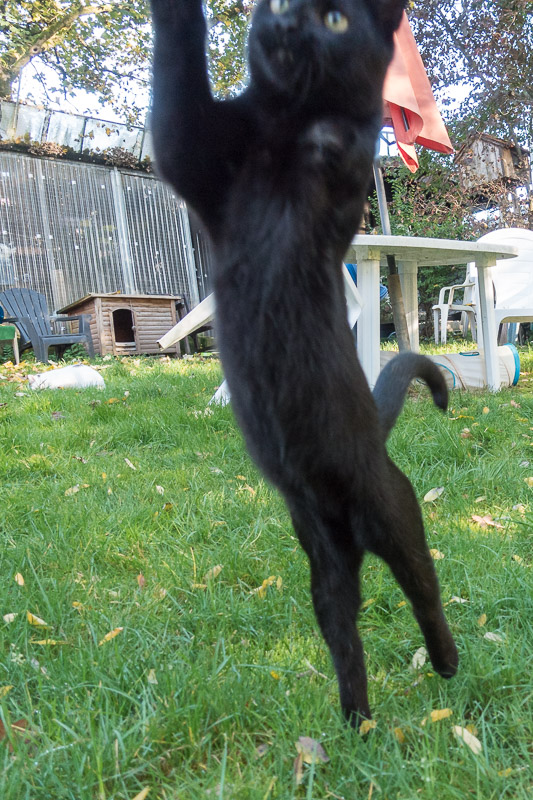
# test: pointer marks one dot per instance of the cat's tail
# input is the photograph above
(393, 382)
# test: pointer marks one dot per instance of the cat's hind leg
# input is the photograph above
(401, 543)
(335, 565)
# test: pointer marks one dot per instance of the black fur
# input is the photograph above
(278, 177)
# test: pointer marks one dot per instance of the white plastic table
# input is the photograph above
(370, 254)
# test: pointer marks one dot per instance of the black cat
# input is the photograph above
(278, 177)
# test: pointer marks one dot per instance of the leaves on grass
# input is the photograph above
(437, 714)
(19, 579)
(436, 555)
(37, 621)
(152, 678)
(159, 489)
(261, 591)
(212, 573)
(419, 658)
(10, 617)
(433, 494)
(17, 729)
(486, 521)
(529, 481)
(142, 794)
(400, 735)
(366, 726)
(493, 637)
(75, 489)
(4, 690)
(468, 738)
(130, 465)
(141, 580)
(482, 620)
(311, 750)
(110, 635)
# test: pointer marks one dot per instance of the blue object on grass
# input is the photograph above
(352, 269)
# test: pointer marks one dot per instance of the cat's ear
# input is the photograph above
(389, 13)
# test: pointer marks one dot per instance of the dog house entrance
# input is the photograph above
(124, 331)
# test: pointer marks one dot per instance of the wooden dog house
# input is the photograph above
(128, 324)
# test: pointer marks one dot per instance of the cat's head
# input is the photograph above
(309, 52)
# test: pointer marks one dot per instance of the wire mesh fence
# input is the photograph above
(68, 229)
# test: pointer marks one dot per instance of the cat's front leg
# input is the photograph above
(184, 113)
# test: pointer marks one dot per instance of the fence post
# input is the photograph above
(122, 230)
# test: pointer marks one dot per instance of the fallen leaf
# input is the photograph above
(261, 590)
(493, 637)
(141, 580)
(142, 794)
(130, 465)
(482, 620)
(311, 750)
(504, 773)
(466, 433)
(17, 728)
(212, 573)
(480, 499)
(10, 617)
(433, 494)
(159, 489)
(368, 603)
(275, 675)
(400, 735)
(77, 605)
(76, 489)
(440, 713)
(49, 642)
(436, 555)
(261, 749)
(419, 658)
(518, 559)
(515, 405)
(110, 635)
(199, 585)
(468, 738)
(168, 506)
(4, 690)
(152, 677)
(401, 604)
(279, 583)
(529, 481)
(298, 769)
(486, 409)
(37, 621)
(19, 579)
(366, 726)
(486, 521)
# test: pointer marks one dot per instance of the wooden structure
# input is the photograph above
(128, 324)
(483, 159)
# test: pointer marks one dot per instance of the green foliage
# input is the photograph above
(482, 50)
(205, 691)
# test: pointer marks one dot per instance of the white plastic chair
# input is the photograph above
(446, 305)
(512, 280)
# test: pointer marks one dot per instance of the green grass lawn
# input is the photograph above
(159, 676)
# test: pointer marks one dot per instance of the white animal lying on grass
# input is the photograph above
(76, 376)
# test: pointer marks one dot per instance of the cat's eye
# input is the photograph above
(336, 22)
(279, 6)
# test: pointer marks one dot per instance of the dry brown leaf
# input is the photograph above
(17, 728)
(212, 573)
(468, 738)
(141, 580)
(19, 579)
(110, 635)
(486, 521)
(298, 769)
(436, 555)
(311, 750)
